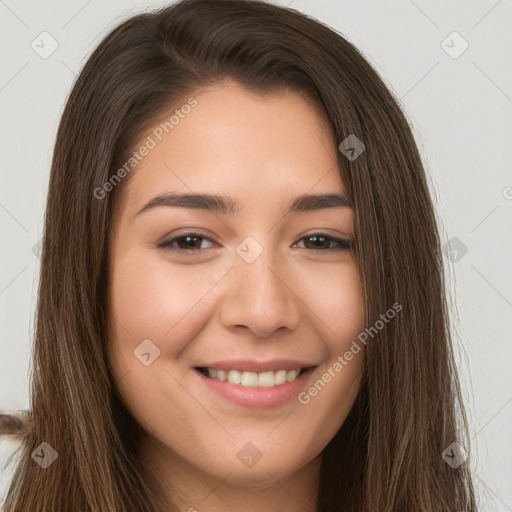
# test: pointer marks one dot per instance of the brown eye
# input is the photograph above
(186, 243)
(323, 242)
(189, 243)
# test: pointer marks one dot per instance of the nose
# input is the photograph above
(260, 296)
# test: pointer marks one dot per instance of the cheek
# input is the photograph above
(339, 311)
(158, 301)
(347, 310)
(333, 295)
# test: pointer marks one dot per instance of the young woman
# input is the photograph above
(241, 302)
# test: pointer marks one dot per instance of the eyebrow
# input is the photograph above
(228, 206)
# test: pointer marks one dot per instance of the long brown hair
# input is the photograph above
(387, 456)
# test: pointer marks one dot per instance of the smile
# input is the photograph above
(246, 387)
(267, 379)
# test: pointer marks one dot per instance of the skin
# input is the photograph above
(295, 300)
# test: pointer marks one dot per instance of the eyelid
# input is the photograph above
(346, 243)
(343, 244)
(165, 243)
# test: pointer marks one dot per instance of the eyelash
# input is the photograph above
(343, 245)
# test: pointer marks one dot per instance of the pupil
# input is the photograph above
(190, 241)
(315, 238)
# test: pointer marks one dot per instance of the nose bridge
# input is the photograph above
(258, 295)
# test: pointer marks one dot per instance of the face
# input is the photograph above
(247, 294)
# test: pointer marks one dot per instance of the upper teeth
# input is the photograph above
(254, 379)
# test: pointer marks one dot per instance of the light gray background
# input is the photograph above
(460, 109)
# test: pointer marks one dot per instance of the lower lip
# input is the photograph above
(258, 398)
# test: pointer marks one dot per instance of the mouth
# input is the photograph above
(253, 379)
(276, 383)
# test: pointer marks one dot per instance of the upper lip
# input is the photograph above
(253, 365)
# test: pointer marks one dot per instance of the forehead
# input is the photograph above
(256, 147)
